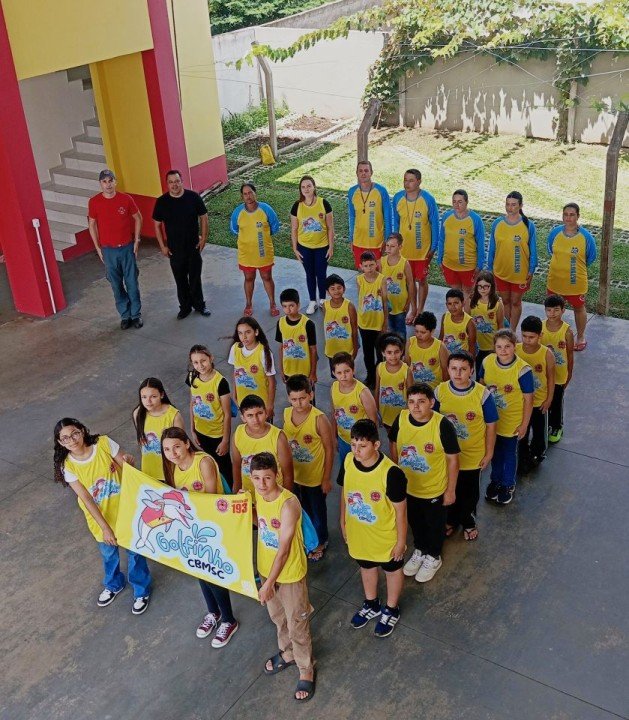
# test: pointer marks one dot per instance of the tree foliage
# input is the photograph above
(227, 15)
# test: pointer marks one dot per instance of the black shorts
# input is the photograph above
(390, 566)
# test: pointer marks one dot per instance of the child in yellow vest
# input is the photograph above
(351, 401)
(256, 435)
(297, 337)
(458, 331)
(391, 376)
(340, 322)
(470, 407)
(210, 409)
(542, 362)
(372, 311)
(426, 357)
(425, 446)
(559, 338)
(151, 416)
(510, 381)
(488, 314)
(283, 567)
(91, 465)
(311, 442)
(186, 468)
(373, 524)
(400, 285)
(254, 366)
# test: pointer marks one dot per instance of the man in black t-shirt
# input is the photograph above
(182, 215)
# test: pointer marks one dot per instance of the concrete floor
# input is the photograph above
(529, 622)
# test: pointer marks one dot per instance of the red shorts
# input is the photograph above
(506, 286)
(576, 301)
(465, 278)
(419, 268)
(247, 269)
(358, 251)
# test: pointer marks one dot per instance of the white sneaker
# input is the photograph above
(414, 563)
(428, 569)
(321, 303)
(312, 306)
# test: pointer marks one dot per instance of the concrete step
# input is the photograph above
(72, 159)
(86, 179)
(92, 128)
(87, 144)
(60, 212)
(66, 194)
(60, 246)
(65, 232)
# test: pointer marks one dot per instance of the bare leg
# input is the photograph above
(250, 278)
(580, 318)
(422, 294)
(370, 582)
(516, 310)
(269, 285)
(505, 296)
(395, 582)
(467, 297)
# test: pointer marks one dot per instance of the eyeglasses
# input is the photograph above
(73, 437)
(483, 286)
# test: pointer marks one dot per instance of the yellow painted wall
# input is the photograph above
(197, 81)
(50, 35)
(123, 111)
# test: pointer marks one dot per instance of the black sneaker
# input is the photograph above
(505, 495)
(126, 323)
(107, 597)
(183, 314)
(205, 312)
(492, 491)
(140, 604)
(367, 612)
(138, 322)
(388, 620)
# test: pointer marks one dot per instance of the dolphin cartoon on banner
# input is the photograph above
(161, 510)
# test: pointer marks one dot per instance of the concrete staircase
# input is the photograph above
(71, 186)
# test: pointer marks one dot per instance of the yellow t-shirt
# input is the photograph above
(486, 322)
(392, 395)
(306, 448)
(422, 457)
(503, 383)
(348, 408)
(312, 231)
(248, 447)
(465, 411)
(369, 219)
(206, 406)
(425, 364)
(295, 348)
(152, 450)
(567, 272)
(511, 259)
(370, 521)
(191, 479)
(370, 308)
(102, 484)
(255, 247)
(557, 343)
(250, 374)
(459, 247)
(538, 362)
(397, 292)
(455, 336)
(269, 525)
(414, 228)
(338, 328)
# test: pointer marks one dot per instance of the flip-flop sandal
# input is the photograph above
(275, 311)
(278, 663)
(308, 686)
(316, 555)
(467, 534)
(450, 530)
(580, 347)
(248, 311)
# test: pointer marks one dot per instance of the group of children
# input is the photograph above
(444, 428)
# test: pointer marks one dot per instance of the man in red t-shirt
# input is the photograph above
(109, 215)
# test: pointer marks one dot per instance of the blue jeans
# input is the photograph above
(344, 449)
(504, 463)
(312, 501)
(316, 267)
(122, 273)
(114, 580)
(397, 324)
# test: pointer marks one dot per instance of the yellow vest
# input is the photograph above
(370, 309)
(348, 408)
(206, 406)
(191, 479)
(503, 383)
(417, 238)
(511, 259)
(425, 364)
(556, 342)
(250, 374)
(422, 457)
(567, 272)
(312, 231)
(486, 324)
(459, 247)
(369, 219)
(465, 412)
(538, 362)
(248, 447)
(255, 247)
(152, 450)
(101, 483)
(306, 448)
(455, 336)
(296, 352)
(338, 328)
(369, 514)
(392, 395)
(269, 524)
(397, 292)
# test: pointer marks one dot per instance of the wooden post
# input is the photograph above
(373, 108)
(270, 100)
(609, 207)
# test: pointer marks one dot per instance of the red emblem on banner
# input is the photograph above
(222, 505)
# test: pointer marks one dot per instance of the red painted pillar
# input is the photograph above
(22, 201)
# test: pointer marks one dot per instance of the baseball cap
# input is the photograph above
(106, 174)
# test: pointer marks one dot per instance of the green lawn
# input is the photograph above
(547, 174)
